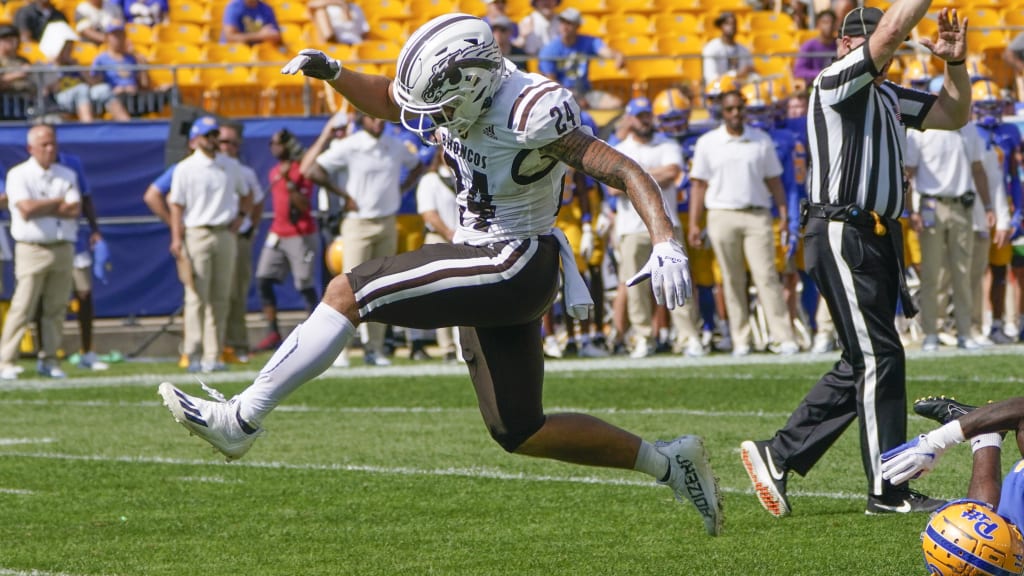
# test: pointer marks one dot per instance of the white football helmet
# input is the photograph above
(448, 71)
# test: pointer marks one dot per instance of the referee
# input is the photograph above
(856, 126)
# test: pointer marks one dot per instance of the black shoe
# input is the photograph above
(902, 502)
(451, 358)
(663, 347)
(767, 474)
(941, 409)
(571, 350)
(620, 349)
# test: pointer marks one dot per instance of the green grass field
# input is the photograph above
(390, 471)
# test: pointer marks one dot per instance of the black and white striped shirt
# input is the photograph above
(857, 135)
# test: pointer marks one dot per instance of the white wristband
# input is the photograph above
(985, 440)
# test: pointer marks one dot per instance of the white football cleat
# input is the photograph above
(216, 422)
(691, 478)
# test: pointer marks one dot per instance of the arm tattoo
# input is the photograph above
(612, 168)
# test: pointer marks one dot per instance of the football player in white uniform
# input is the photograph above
(509, 136)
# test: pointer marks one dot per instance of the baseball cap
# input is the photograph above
(339, 120)
(203, 126)
(571, 15)
(501, 22)
(860, 22)
(7, 31)
(638, 106)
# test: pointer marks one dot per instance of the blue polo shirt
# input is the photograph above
(570, 65)
(123, 75)
(163, 181)
(248, 19)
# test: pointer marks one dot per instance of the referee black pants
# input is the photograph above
(858, 275)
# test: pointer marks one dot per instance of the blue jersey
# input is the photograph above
(425, 154)
(1011, 501)
(1006, 138)
(75, 164)
(687, 141)
(785, 148)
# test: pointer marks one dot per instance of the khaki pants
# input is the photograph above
(237, 331)
(44, 279)
(446, 335)
(948, 244)
(365, 239)
(213, 253)
(635, 250)
(742, 239)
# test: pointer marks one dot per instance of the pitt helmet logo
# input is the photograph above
(446, 75)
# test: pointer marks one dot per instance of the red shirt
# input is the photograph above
(282, 224)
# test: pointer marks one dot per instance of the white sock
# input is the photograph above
(305, 354)
(651, 462)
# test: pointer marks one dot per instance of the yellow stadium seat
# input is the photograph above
(426, 9)
(982, 17)
(160, 78)
(634, 6)
(386, 10)
(264, 52)
(342, 52)
(31, 52)
(181, 32)
(605, 75)
(390, 30)
(139, 35)
(634, 45)
(188, 11)
(230, 91)
(679, 44)
(365, 68)
(380, 51)
(213, 77)
(761, 21)
(518, 9)
(679, 23)
(1013, 18)
(190, 87)
(176, 54)
(587, 6)
(8, 10)
(802, 36)
(926, 28)
(593, 25)
(657, 73)
(971, 5)
(979, 40)
(771, 65)
(689, 6)
(716, 7)
(292, 11)
(283, 95)
(84, 52)
(296, 36)
(228, 53)
(766, 43)
(628, 25)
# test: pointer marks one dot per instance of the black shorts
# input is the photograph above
(507, 283)
(496, 294)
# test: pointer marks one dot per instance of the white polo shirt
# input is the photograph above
(433, 194)
(30, 181)
(374, 171)
(660, 151)
(735, 168)
(943, 160)
(208, 189)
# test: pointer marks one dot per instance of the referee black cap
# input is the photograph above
(860, 22)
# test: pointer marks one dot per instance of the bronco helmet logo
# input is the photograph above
(446, 75)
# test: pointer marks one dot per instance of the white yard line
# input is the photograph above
(475, 473)
(10, 572)
(569, 367)
(16, 492)
(19, 441)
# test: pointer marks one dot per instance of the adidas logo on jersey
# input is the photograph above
(489, 131)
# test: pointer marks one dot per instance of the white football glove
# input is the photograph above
(604, 223)
(669, 271)
(911, 459)
(313, 63)
(587, 242)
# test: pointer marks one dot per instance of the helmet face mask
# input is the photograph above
(987, 103)
(449, 71)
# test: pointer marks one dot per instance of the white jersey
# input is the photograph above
(506, 189)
